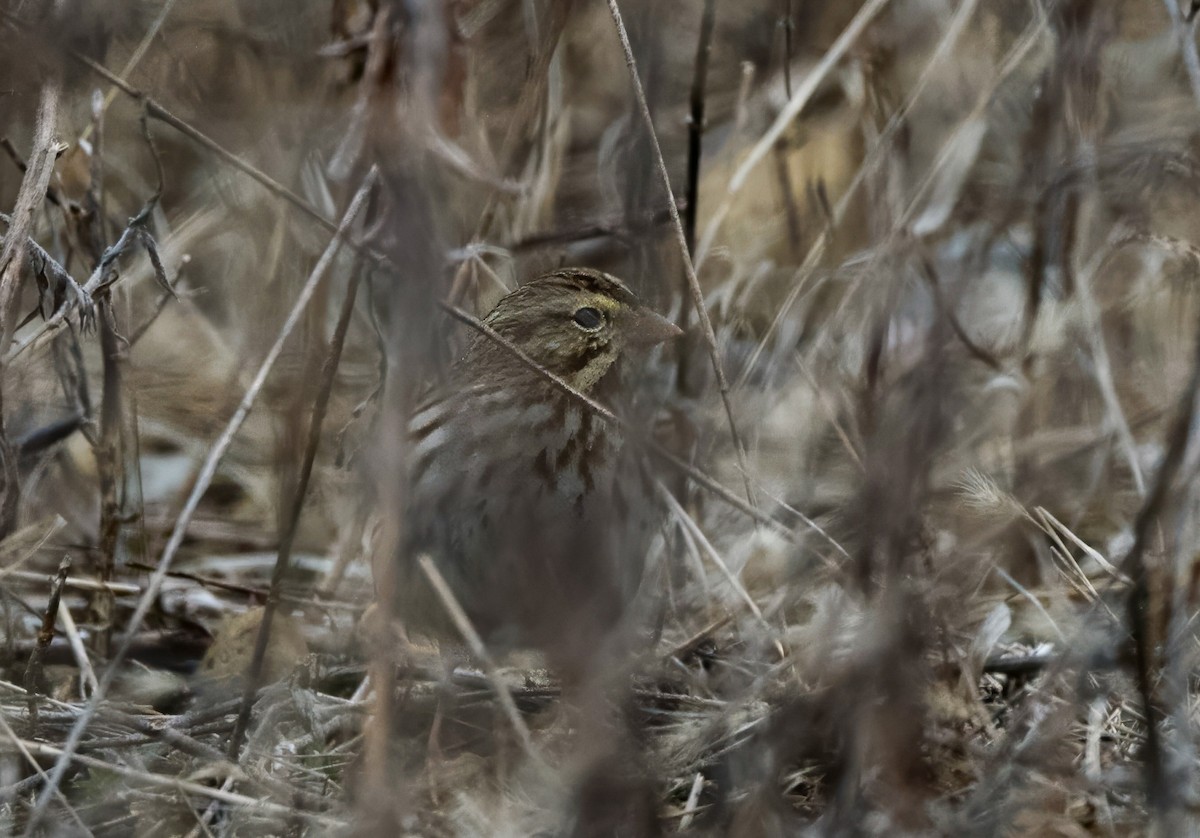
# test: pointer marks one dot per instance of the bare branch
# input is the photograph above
(39, 169)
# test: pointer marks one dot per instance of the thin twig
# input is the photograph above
(74, 582)
(790, 111)
(288, 536)
(685, 353)
(317, 601)
(136, 58)
(7, 730)
(684, 251)
(713, 555)
(783, 174)
(463, 623)
(930, 276)
(11, 151)
(157, 111)
(87, 675)
(789, 27)
(954, 31)
(203, 481)
(185, 786)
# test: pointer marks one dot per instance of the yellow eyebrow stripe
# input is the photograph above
(604, 302)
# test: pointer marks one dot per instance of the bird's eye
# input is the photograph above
(589, 318)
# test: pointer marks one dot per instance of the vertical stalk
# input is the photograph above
(686, 358)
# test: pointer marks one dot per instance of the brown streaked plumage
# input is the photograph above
(523, 497)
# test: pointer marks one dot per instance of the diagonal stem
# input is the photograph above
(607, 415)
(706, 326)
(288, 537)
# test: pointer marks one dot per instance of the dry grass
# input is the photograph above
(927, 461)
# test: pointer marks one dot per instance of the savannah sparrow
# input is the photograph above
(528, 502)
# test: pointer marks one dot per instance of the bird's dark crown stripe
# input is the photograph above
(589, 280)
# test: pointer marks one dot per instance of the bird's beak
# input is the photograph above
(647, 328)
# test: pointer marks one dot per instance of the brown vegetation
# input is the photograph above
(927, 463)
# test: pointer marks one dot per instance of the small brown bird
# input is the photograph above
(529, 503)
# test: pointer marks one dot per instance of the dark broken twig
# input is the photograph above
(33, 670)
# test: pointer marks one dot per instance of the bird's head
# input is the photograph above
(575, 322)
